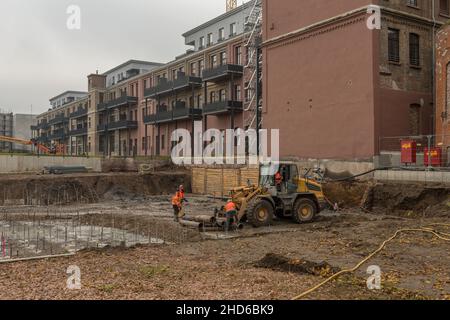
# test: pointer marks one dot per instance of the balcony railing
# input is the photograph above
(58, 119)
(223, 71)
(220, 107)
(119, 102)
(123, 124)
(180, 112)
(79, 132)
(57, 135)
(79, 113)
(118, 125)
(165, 87)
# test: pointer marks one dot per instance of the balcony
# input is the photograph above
(180, 112)
(42, 139)
(117, 125)
(221, 107)
(43, 126)
(34, 128)
(123, 124)
(58, 119)
(165, 87)
(57, 135)
(122, 101)
(183, 82)
(222, 72)
(81, 112)
(79, 132)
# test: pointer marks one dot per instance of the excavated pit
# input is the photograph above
(400, 199)
(87, 188)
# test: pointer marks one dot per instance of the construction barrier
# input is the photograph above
(219, 181)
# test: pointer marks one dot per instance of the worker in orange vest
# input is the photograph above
(181, 194)
(278, 180)
(177, 206)
(231, 213)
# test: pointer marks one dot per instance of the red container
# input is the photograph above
(409, 151)
(433, 154)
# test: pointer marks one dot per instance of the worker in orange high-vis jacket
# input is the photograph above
(231, 213)
(177, 206)
(278, 180)
(181, 194)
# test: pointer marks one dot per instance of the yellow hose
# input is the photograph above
(397, 233)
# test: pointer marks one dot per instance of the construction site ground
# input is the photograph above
(276, 262)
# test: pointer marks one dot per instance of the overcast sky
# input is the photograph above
(40, 57)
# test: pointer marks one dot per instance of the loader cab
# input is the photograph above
(290, 176)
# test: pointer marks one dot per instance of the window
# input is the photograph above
(444, 7)
(394, 45)
(194, 69)
(202, 42)
(199, 101)
(238, 55)
(237, 92)
(221, 34)
(233, 29)
(210, 39)
(223, 58)
(414, 49)
(201, 67)
(213, 61)
(412, 3)
(212, 97)
(222, 95)
(174, 74)
(163, 142)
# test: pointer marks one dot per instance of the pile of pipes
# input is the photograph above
(204, 223)
(64, 169)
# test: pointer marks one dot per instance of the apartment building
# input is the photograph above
(339, 86)
(132, 109)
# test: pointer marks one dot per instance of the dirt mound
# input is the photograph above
(280, 263)
(345, 194)
(411, 200)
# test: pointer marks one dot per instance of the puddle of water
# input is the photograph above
(23, 239)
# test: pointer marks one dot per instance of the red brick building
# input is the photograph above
(443, 87)
(334, 87)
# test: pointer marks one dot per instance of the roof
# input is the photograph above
(219, 18)
(67, 92)
(149, 63)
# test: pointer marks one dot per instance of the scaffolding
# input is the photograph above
(6, 129)
(253, 67)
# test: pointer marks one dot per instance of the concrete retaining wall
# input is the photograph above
(23, 164)
(413, 176)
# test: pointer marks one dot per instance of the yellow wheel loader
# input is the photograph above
(298, 196)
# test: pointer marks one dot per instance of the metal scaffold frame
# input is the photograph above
(252, 69)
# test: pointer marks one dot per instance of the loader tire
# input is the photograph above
(305, 211)
(260, 213)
